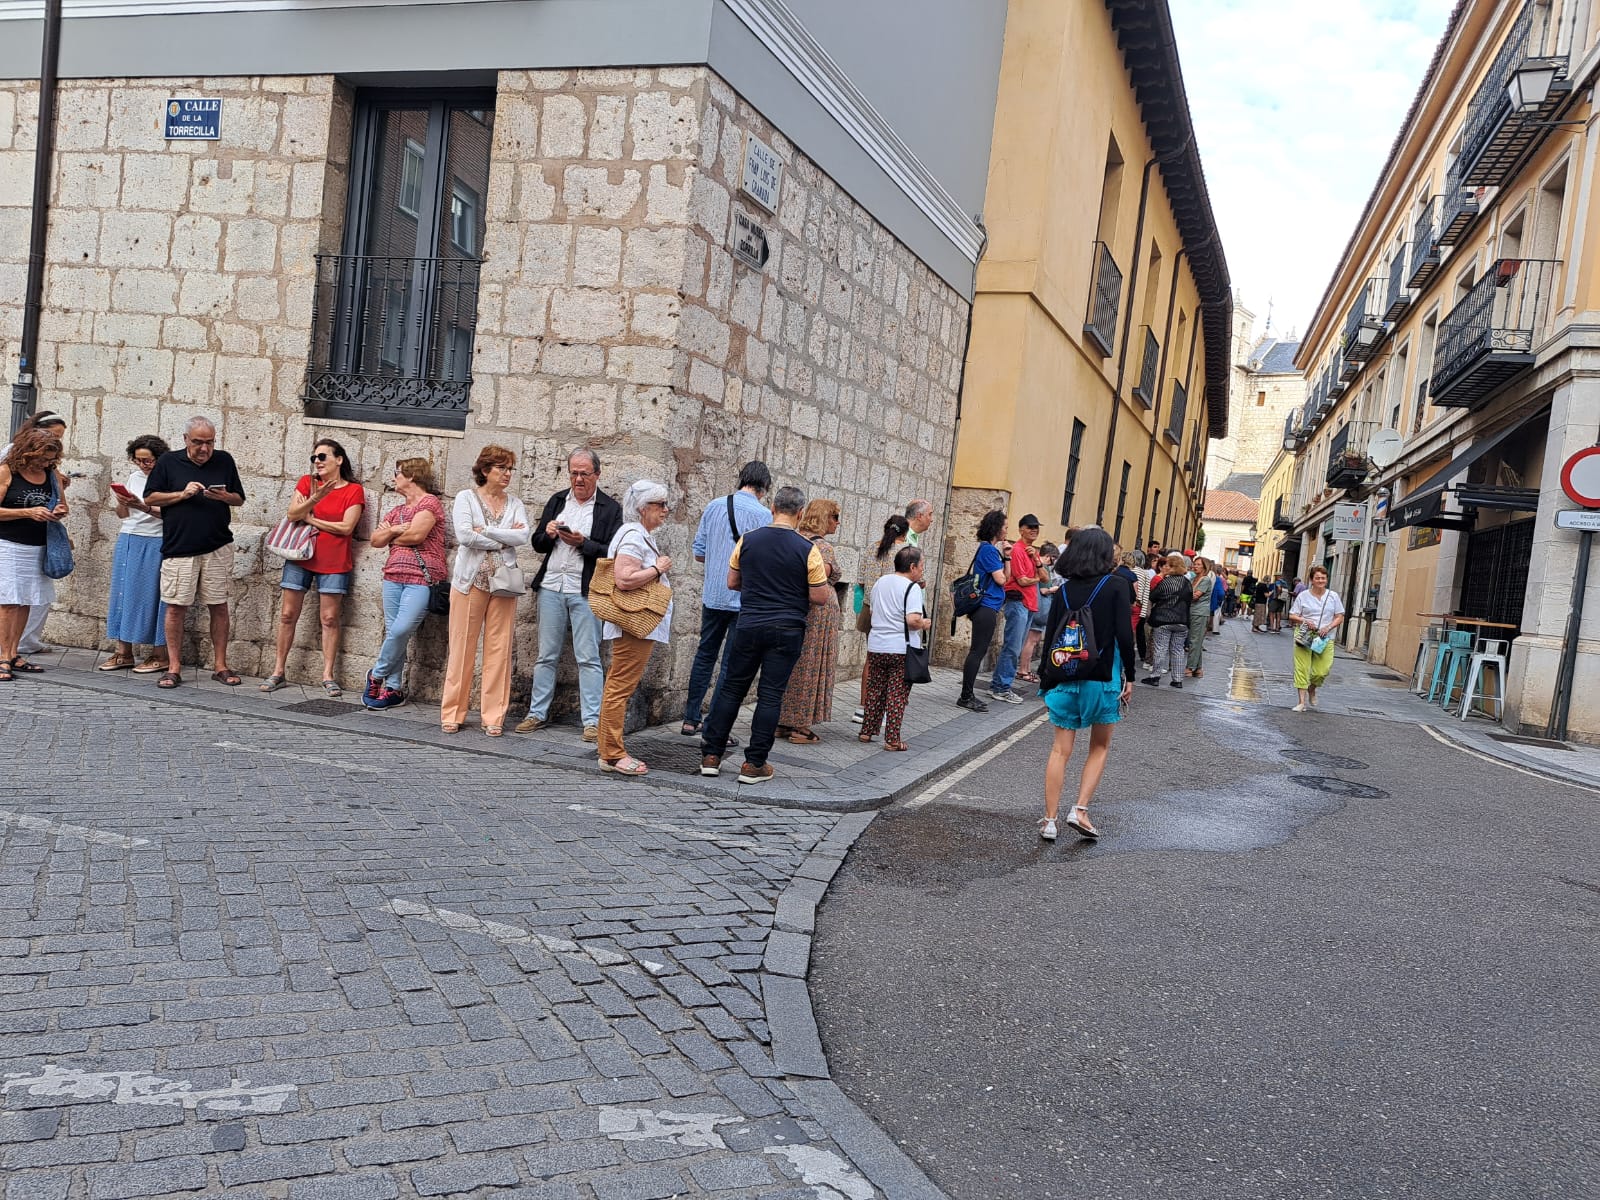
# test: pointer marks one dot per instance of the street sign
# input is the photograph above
(762, 179)
(750, 242)
(195, 119)
(1580, 477)
(1347, 523)
(1578, 518)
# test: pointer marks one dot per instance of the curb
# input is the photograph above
(792, 1024)
(1511, 758)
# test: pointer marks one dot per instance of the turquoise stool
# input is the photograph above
(1427, 655)
(1453, 654)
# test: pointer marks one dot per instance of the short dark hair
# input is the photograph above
(991, 526)
(790, 500)
(754, 474)
(491, 456)
(906, 558)
(1088, 555)
(345, 471)
(150, 442)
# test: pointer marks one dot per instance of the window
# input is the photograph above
(1154, 510)
(1075, 452)
(409, 200)
(463, 218)
(1122, 501)
(1261, 399)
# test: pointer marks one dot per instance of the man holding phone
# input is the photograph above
(196, 489)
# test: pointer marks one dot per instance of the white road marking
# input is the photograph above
(138, 1087)
(734, 840)
(690, 1129)
(830, 1175)
(949, 781)
(95, 837)
(508, 935)
(1500, 762)
(300, 758)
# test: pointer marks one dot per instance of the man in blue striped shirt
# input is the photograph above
(726, 519)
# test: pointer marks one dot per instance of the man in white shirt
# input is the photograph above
(573, 532)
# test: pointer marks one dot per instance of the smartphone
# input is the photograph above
(123, 492)
(216, 487)
(564, 528)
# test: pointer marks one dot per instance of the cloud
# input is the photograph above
(1295, 106)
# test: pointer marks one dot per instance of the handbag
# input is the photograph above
(967, 591)
(438, 589)
(864, 617)
(1307, 635)
(916, 656)
(58, 562)
(292, 541)
(636, 612)
(507, 578)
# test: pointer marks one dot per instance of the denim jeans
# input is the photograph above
(1005, 668)
(772, 650)
(714, 626)
(559, 613)
(404, 606)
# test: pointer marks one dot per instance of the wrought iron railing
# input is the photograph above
(1348, 465)
(1491, 105)
(1180, 407)
(1399, 296)
(1424, 246)
(1501, 314)
(1105, 297)
(392, 339)
(1363, 325)
(1145, 389)
(1458, 207)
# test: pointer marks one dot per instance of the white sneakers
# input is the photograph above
(1298, 708)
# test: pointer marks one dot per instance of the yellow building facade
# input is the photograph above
(1098, 366)
(1454, 365)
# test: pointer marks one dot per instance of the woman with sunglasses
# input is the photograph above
(331, 502)
(28, 503)
(135, 615)
(413, 532)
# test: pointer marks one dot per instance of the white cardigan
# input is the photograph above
(471, 546)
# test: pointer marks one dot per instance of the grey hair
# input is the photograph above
(789, 500)
(916, 508)
(645, 491)
(594, 459)
(195, 422)
(1133, 558)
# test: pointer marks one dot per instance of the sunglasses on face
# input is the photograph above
(321, 457)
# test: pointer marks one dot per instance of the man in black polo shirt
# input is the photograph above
(778, 574)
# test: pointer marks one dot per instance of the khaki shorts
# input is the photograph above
(210, 575)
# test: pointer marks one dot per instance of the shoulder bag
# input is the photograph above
(292, 541)
(507, 578)
(732, 524)
(967, 591)
(438, 589)
(636, 612)
(58, 562)
(916, 656)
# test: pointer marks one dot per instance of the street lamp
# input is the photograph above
(1367, 335)
(1530, 85)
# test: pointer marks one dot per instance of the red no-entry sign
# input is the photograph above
(1580, 477)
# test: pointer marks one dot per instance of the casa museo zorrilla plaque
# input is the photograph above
(763, 173)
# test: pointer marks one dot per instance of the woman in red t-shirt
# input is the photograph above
(330, 501)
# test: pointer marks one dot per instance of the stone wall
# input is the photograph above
(611, 315)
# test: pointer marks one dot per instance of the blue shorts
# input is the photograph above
(297, 579)
(1080, 705)
(1040, 618)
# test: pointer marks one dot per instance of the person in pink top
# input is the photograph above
(413, 531)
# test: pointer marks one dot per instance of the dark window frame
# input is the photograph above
(1122, 501)
(1074, 457)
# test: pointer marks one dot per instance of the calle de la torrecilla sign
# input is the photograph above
(194, 119)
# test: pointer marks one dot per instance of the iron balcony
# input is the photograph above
(1424, 248)
(1497, 139)
(1281, 518)
(1347, 463)
(1399, 297)
(1490, 337)
(1105, 297)
(1458, 208)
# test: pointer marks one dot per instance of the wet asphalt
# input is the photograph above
(1312, 956)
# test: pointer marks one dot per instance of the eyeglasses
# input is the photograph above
(580, 474)
(202, 441)
(321, 457)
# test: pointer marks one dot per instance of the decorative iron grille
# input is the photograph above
(1104, 299)
(1180, 406)
(1501, 314)
(1145, 389)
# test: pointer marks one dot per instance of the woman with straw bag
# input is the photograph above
(627, 593)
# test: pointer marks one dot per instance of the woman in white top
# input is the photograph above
(136, 615)
(1315, 614)
(490, 524)
(898, 619)
(637, 562)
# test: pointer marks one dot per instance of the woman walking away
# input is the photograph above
(1200, 613)
(330, 501)
(990, 565)
(135, 614)
(880, 564)
(809, 696)
(414, 533)
(1093, 697)
(490, 523)
(1315, 614)
(1170, 600)
(32, 496)
(898, 621)
(636, 563)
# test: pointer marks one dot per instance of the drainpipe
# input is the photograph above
(25, 392)
(1155, 407)
(1122, 354)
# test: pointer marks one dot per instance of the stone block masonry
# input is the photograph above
(611, 313)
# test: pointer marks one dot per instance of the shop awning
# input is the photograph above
(1424, 504)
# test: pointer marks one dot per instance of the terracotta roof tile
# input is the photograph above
(1230, 506)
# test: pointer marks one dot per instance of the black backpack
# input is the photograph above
(1072, 652)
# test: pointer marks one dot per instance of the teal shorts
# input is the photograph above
(1080, 705)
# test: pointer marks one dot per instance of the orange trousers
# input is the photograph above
(473, 615)
(629, 657)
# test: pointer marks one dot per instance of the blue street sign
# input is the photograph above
(194, 119)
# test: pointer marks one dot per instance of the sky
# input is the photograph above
(1295, 105)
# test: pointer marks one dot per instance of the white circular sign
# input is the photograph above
(1384, 448)
(1580, 477)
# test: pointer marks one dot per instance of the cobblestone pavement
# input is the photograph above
(244, 956)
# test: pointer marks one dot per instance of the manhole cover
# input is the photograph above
(1339, 787)
(322, 708)
(1319, 758)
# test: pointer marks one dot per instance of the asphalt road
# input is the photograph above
(1248, 988)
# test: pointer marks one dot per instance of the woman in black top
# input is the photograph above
(1092, 699)
(26, 507)
(1171, 597)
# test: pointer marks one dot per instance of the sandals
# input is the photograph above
(1082, 826)
(332, 688)
(896, 746)
(494, 731)
(863, 737)
(450, 727)
(272, 683)
(117, 662)
(151, 666)
(25, 667)
(5, 671)
(226, 677)
(689, 728)
(170, 679)
(804, 737)
(626, 765)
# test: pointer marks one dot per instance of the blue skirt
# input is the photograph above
(1078, 705)
(136, 614)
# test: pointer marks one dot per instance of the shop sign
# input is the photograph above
(195, 119)
(1347, 523)
(750, 242)
(762, 180)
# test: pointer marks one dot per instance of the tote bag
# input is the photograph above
(292, 541)
(916, 656)
(58, 562)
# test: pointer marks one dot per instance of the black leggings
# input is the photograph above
(983, 623)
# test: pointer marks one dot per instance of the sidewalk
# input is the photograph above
(838, 774)
(1260, 666)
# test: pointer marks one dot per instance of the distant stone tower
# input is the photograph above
(1266, 387)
